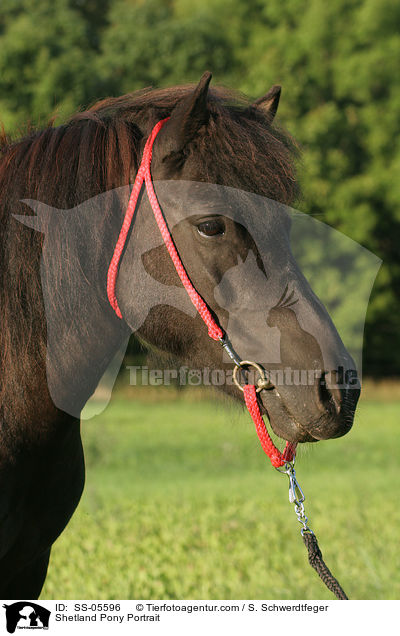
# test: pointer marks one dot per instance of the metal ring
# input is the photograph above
(262, 382)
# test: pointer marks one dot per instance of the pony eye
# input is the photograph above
(212, 227)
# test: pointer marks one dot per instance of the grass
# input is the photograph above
(180, 502)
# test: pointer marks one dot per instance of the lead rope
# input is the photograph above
(296, 495)
(283, 462)
(315, 559)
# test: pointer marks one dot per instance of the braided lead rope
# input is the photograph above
(297, 497)
(317, 562)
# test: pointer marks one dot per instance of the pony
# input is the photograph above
(213, 137)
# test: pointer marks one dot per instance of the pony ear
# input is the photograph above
(186, 119)
(270, 101)
(39, 222)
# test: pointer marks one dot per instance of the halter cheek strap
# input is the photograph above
(144, 174)
(214, 330)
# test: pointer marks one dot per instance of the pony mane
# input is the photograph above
(98, 150)
(103, 143)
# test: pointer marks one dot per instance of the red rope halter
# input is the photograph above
(214, 330)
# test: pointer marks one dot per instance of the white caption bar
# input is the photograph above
(193, 617)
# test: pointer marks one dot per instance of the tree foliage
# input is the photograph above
(337, 62)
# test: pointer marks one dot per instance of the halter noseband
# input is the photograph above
(215, 332)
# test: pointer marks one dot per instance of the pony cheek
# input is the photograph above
(144, 297)
(128, 293)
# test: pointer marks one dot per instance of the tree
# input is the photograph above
(145, 44)
(337, 62)
(46, 61)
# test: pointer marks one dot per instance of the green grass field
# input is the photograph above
(181, 503)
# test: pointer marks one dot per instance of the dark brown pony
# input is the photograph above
(213, 136)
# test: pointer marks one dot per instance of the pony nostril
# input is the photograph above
(330, 398)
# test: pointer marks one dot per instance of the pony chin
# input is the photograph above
(282, 422)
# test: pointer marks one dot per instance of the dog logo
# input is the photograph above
(26, 615)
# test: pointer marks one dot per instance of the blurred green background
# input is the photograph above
(180, 501)
(338, 64)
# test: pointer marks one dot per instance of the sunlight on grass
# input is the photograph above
(181, 502)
